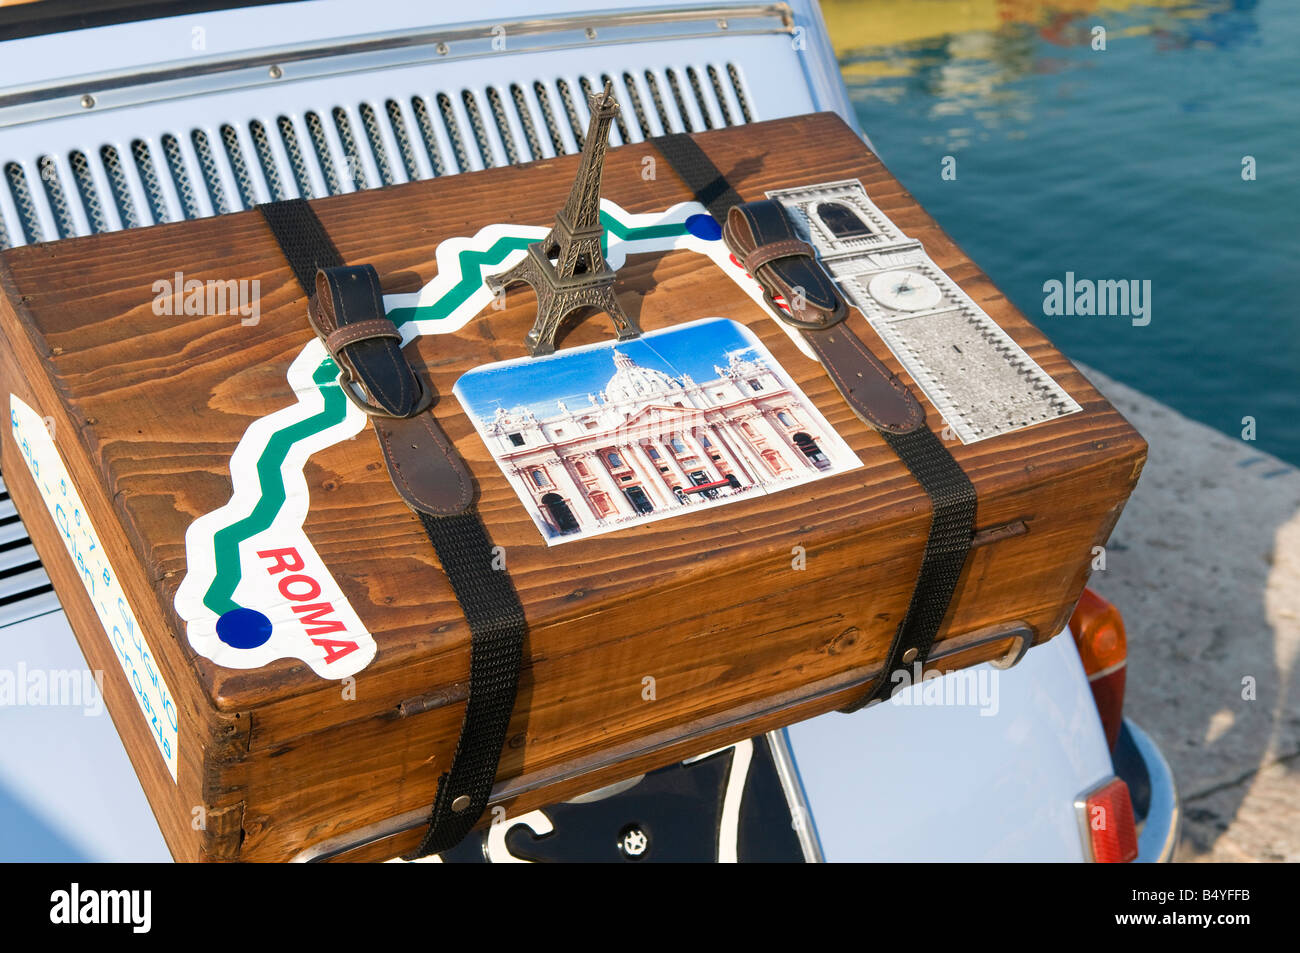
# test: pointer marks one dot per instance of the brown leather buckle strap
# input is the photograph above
(336, 341)
(761, 234)
(346, 310)
(427, 472)
(368, 351)
(771, 251)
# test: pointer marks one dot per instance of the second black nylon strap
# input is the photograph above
(952, 523)
(485, 593)
(711, 188)
(951, 493)
(497, 629)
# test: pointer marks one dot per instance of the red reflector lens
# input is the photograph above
(1108, 815)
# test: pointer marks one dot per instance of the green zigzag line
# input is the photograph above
(225, 542)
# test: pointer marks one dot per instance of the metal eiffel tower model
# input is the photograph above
(566, 269)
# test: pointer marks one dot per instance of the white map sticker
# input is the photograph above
(98, 577)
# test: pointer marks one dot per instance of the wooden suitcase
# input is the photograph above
(172, 455)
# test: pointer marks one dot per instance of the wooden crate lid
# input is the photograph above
(160, 403)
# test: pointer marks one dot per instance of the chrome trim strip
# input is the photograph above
(1160, 831)
(805, 827)
(273, 66)
(1108, 670)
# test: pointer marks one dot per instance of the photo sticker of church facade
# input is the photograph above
(599, 438)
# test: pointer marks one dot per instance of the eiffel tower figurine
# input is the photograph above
(566, 269)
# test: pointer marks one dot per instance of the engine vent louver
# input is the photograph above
(398, 122)
(25, 590)
(22, 196)
(173, 174)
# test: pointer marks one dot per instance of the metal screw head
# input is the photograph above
(909, 656)
(722, 23)
(87, 101)
(461, 804)
(275, 72)
(633, 842)
(591, 32)
(441, 49)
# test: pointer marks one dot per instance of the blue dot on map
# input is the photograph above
(243, 628)
(704, 226)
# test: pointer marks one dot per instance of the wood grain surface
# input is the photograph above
(711, 608)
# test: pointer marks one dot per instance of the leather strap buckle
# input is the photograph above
(784, 248)
(347, 313)
(351, 386)
(762, 237)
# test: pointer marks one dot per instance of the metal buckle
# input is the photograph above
(347, 383)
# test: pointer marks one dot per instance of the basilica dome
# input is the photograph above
(632, 382)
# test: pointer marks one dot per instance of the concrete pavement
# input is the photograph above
(1205, 567)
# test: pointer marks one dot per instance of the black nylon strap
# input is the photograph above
(497, 628)
(302, 239)
(952, 495)
(486, 595)
(711, 188)
(952, 523)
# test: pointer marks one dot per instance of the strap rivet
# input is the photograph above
(909, 656)
(461, 804)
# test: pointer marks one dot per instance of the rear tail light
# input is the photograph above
(1106, 822)
(1099, 634)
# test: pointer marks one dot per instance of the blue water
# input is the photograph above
(1123, 163)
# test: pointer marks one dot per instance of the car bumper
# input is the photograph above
(1158, 831)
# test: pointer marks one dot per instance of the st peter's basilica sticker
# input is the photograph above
(602, 437)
